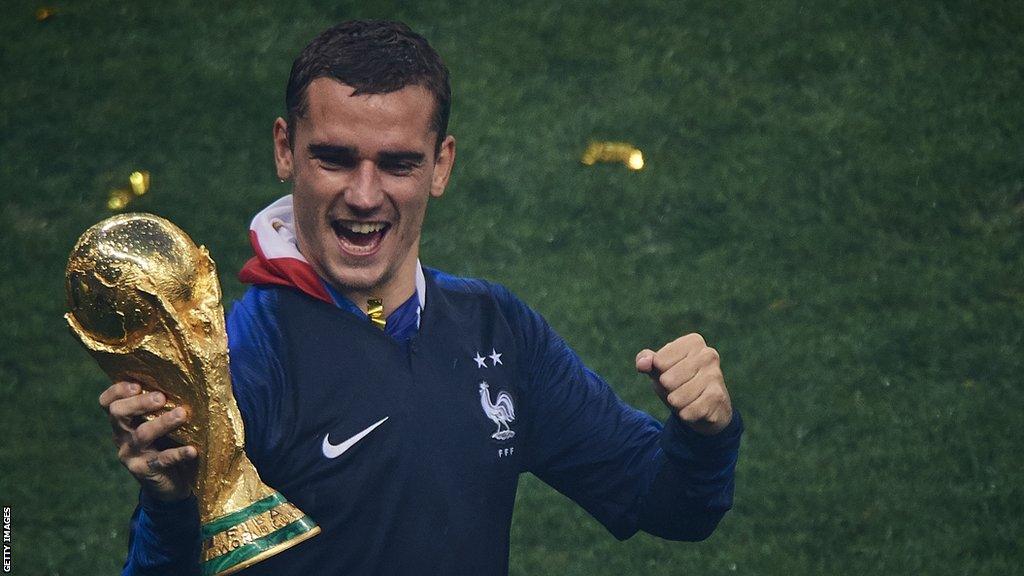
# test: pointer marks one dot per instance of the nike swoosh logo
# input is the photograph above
(335, 450)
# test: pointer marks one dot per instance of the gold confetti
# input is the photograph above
(139, 181)
(375, 310)
(623, 152)
(119, 199)
(45, 13)
(138, 184)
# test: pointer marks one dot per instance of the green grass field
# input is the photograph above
(834, 197)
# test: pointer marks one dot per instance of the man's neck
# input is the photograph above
(392, 293)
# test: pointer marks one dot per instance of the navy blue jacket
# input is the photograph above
(481, 391)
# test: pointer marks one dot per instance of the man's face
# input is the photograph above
(363, 169)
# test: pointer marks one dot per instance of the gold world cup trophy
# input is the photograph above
(145, 301)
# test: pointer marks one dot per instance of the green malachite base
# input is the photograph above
(260, 530)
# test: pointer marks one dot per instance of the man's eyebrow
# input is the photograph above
(333, 150)
(337, 150)
(400, 156)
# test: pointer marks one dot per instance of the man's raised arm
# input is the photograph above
(618, 463)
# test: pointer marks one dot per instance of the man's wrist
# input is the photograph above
(153, 504)
(678, 433)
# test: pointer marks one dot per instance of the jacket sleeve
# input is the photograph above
(618, 463)
(163, 538)
(693, 486)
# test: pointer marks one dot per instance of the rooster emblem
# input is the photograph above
(500, 411)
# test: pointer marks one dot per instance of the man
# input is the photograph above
(405, 443)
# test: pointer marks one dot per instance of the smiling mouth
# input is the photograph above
(360, 238)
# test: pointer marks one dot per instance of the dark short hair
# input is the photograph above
(373, 57)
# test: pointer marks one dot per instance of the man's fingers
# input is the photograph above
(128, 408)
(680, 374)
(158, 427)
(152, 464)
(139, 441)
(687, 376)
(670, 354)
(686, 369)
(117, 391)
(710, 411)
(686, 381)
(686, 394)
(645, 361)
(700, 408)
(171, 457)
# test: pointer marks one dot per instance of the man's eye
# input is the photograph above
(335, 163)
(399, 168)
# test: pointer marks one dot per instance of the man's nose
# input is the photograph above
(364, 192)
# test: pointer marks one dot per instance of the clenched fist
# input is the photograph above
(688, 379)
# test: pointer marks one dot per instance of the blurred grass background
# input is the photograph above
(834, 197)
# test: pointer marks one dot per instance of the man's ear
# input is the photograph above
(443, 166)
(282, 150)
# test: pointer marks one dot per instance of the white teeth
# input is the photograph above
(364, 227)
